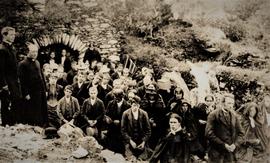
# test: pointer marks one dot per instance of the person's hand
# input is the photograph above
(151, 120)
(173, 105)
(5, 88)
(72, 121)
(141, 146)
(202, 121)
(133, 144)
(255, 141)
(116, 122)
(228, 147)
(233, 147)
(252, 122)
(27, 97)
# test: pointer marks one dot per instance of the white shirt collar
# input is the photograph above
(93, 101)
(119, 104)
(135, 114)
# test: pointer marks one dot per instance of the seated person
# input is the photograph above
(173, 147)
(68, 107)
(93, 111)
(104, 88)
(135, 129)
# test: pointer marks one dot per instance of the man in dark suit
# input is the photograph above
(93, 112)
(33, 89)
(224, 132)
(10, 91)
(65, 60)
(135, 129)
(80, 89)
(114, 111)
(68, 106)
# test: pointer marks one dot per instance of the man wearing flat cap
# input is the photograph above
(136, 129)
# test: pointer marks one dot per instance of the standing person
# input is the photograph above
(224, 132)
(10, 90)
(33, 89)
(135, 129)
(201, 112)
(72, 72)
(255, 139)
(65, 60)
(264, 119)
(54, 94)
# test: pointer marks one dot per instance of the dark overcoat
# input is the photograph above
(127, 129)
(9, 77)
(221, 130)
(172, 148)
(33, 84)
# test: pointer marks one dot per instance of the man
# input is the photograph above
(135, 129)
(117, 84)
(224, 132)
(72, 72)
(104, 88)
(153, 104)
(115, 111)
(10, 90)
(65, 60)
(33, 89)
(68, 107)
(93, 111)
(201, 112)
(118, 72)
(80, 89)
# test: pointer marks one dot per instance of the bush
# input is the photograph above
(140, 18)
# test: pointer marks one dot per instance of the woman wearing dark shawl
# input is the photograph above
(173, 148)
(255, 137)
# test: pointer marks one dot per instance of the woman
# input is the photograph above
(255, 139)
(54, 94)
(173, 148)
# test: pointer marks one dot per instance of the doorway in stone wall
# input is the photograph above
(45, 53)
(74, 47)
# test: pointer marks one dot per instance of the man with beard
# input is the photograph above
(153, 104)
(33, 89)
(115, 111)
(10, 91)
(224, 132)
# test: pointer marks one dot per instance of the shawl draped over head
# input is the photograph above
(259, 118)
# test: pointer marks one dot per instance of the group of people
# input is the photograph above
(129, 114)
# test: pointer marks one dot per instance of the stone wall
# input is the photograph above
(89, 24)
